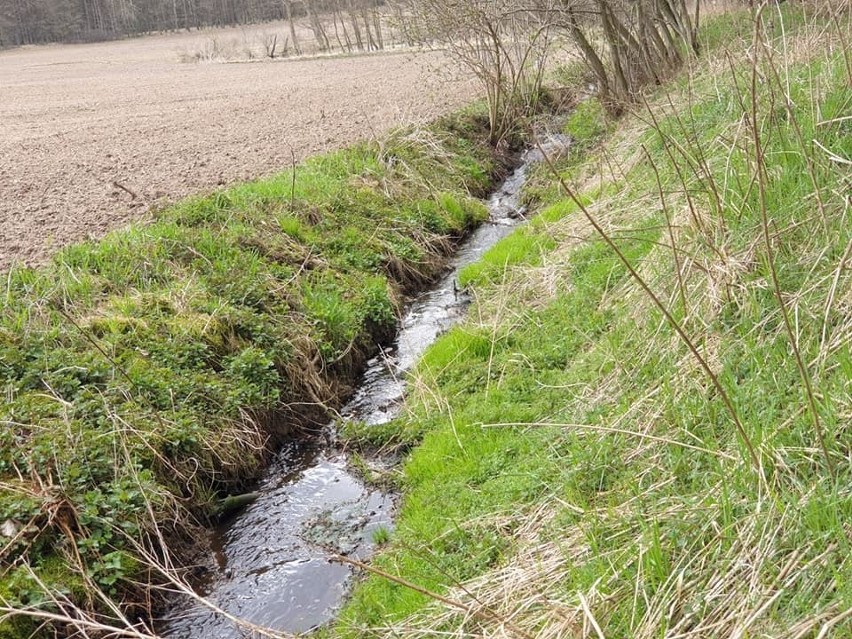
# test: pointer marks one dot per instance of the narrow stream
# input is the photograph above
(272, 558)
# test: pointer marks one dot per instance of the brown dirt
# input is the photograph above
(91, 136)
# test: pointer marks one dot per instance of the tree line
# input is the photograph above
(624, 44)
(41, 21)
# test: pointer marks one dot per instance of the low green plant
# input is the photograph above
(587, 124)
(381, 536)
(150, 372)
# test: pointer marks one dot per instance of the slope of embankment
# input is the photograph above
(643, 429)
(147, 374)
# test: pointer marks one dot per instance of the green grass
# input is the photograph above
(570, 453)
(524, 247)
(149, 372)
(587, 125)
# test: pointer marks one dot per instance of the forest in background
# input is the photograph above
(41, 21)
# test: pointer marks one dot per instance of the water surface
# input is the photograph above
(273, 558)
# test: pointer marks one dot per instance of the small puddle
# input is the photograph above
(272, 558)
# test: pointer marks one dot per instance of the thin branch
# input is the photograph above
(752, 453)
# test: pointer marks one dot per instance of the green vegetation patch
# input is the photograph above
(575, 469)
(147, 373)
(587, 124)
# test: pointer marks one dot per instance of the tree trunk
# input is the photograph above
(371, 45)
(377, 25)
(591, 56)
(334, 17)
(288, 9)
(356, 29)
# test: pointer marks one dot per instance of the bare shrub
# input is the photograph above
(627, 44)
(272, 44)
(503, 42)
(211, 50)
(630, 44)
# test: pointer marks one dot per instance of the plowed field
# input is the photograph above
(91, 136)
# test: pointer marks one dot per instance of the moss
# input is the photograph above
(154, 365)
(20, 588)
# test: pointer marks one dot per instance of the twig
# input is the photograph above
(119, 185)
(482, 614)
(656, 300)
(587, 611)
(760, 170)
(833, 156)
(293, 181)
(680, 285)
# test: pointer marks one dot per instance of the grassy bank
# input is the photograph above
(643, 429)
(147, 374)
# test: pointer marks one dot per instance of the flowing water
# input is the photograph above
(272, 558)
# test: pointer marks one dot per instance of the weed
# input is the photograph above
(642, 429)
(587, 124)
(381, 536)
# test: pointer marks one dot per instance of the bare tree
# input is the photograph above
(35, 21)
(628, 44)
(316, 26)
(356, 23)
(288, 11)
(505, 43)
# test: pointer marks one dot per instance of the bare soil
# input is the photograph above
(93, 136)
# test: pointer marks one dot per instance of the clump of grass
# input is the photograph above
(587, 124)
(148, 373)
(582, 469)
(381, 536)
